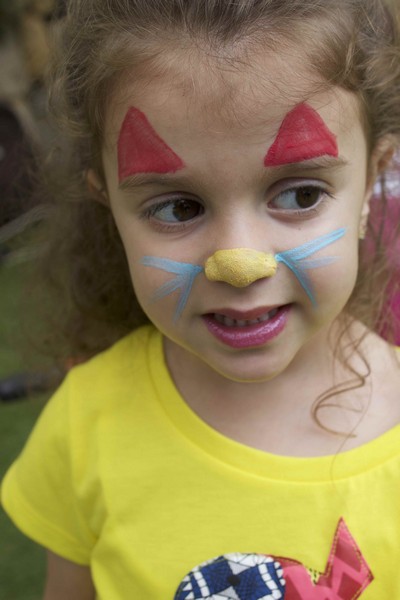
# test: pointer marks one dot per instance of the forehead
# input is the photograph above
(197, 94)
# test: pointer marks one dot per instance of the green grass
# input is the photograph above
(22, 563)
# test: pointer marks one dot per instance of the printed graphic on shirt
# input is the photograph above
(261, 577)
(250, 576)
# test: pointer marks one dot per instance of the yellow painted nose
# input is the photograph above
(240, 266)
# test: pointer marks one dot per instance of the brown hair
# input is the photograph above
(353, 44)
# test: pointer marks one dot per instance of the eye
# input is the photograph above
(298, 198)
(175, 210)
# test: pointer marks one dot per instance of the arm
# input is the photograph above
(66, 580)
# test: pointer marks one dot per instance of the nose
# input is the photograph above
(239, 266)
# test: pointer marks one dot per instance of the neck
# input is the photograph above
(277, 415)
(256, 411)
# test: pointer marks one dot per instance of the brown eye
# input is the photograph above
(300, 198)
(176, 210)
(184, 210)
(307, 196)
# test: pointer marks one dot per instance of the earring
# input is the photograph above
(362, 230)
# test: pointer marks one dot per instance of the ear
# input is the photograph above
(96, 188)
(379, 161)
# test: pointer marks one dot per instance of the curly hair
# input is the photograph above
(353, 44)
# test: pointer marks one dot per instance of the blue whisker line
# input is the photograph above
(166, 264)
(319, 262)
(312, 247)
(298, 272)
(185, 276)
(292, 258)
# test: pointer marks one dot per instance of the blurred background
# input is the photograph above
(25, 136)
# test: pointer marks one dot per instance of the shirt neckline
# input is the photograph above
(256, 462)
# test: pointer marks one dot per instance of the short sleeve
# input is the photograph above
(38, 492)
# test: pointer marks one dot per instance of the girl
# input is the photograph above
(245, 443)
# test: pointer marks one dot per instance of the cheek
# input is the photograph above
(334, 284)
(146, 283)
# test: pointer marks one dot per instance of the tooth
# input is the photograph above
(229, 322)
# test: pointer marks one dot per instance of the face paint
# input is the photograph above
(303, 135)
(219, 267)
(240, 266)
(185, 276)
(141, 150)
(294, 259)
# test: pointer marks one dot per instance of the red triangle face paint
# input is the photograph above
(302, 136)
(142, 150)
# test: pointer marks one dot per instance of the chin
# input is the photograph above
(252, 374)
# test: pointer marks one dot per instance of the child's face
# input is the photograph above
(190, 170)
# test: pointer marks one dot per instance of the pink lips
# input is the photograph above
(247, 336)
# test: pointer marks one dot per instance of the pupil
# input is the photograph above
(185, 210)
(307, 196)
(234, 579)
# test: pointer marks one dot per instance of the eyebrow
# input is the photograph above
(151, 179)
(313, 164)
(143, 180)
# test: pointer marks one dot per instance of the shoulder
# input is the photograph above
(102, 384)
(124, 363)
(126, 353)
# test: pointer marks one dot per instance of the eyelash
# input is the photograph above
(304, 213)
(152, 211)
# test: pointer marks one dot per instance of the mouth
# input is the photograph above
(240, 321)
(247, 329)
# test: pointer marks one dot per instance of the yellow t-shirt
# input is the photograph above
(121, 475)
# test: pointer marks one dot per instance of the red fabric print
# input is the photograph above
(239, 576)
